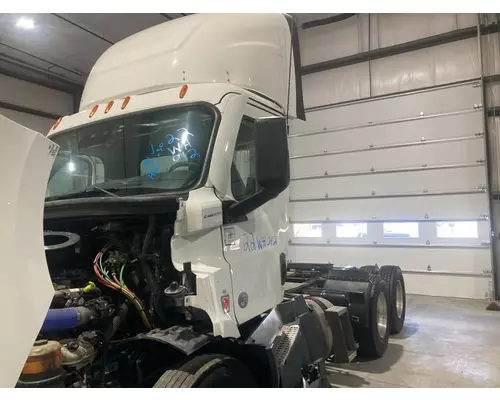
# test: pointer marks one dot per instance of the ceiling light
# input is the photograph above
(25, 23)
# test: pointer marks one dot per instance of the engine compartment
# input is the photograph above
(114, 281)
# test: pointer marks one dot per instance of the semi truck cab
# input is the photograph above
(163, 207)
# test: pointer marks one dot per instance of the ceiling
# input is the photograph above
(61, 48)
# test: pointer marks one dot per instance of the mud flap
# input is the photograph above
(294, 344)
(26, 159)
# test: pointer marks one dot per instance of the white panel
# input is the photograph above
(36, 123)
(331, 41)
(436, 65)
(414, 156)
(466, 206)
(467, 20)
(449, 286)
(443, 127)
(445, 260)
(387, 184)
(400, 28)
(428, 102)
(336, 85)
(465, 261)
(27, 94)
(494, 142)
(490, 48)
(492, 93)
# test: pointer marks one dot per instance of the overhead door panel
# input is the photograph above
(416, 182)
(432, 154)
(396, 180)
(467, 206)
(457, 99)
(443, 272)
(445, 127)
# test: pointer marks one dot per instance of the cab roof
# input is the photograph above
(258, 52)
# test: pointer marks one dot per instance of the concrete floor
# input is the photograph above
(445, 343)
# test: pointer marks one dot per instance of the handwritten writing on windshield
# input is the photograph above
(178, 147)
(174, 145)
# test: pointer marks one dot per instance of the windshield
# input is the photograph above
(162, 150)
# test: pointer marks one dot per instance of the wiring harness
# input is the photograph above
(116, 282)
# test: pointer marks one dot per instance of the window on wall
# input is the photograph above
(457, 229)
(307, 230)
(400, 230)
(352, 230)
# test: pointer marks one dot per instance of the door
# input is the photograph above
(253, 246)
(397, 180)
(26, 158)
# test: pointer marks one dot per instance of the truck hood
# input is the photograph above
(26, 158)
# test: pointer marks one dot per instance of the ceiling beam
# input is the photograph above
(83, 29)
(167, 16)
(28, 110)
(43, 60)
(18, 69)
(326, 21)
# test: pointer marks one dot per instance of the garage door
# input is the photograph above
(396, 180)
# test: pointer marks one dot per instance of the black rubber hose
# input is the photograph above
(116, 322)
(156, 292)
(149, 234)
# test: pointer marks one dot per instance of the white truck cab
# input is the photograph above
(163, 206)
(171, 111)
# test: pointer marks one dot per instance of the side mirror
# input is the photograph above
(272, 165)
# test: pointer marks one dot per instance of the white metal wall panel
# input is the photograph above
(454, 272)
(338, 139)
(492, 93)
(397, 107)
(491, 54)
(400, 28)
(331, 41)
(416, 182)
(336, 85)
(348, 37)
(27, 94)
(494, 141)
(418, 154)
(445, 207)
(417, 157)
(451, 62)
(34, 122)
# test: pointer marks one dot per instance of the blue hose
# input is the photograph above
(59, 319)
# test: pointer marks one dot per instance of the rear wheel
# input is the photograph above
(393, 277)
(373, 339)
(208, 371)
(371, 269)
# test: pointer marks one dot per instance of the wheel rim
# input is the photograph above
(399, 299)
(381, 315)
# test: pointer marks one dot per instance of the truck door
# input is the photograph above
(253, 246)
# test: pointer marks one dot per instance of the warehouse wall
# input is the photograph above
(34, 106)
(395, 132)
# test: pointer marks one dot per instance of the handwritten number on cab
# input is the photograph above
(258, 243)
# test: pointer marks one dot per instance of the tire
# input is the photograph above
(371, 269)
(372, 341)
(393, 277)
(208, 371)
